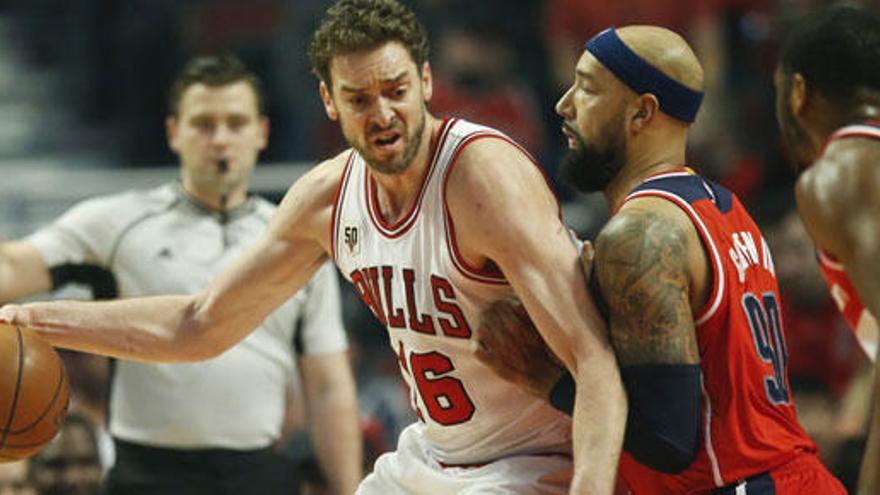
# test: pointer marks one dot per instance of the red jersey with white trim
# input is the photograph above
(749, 424)
(842, 290)
(430, 300)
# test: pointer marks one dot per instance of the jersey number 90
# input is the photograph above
(766, 326)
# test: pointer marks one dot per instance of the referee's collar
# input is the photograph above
(246, 208)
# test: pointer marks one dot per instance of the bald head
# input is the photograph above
(665, 50)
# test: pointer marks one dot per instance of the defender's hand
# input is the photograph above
(508, 343)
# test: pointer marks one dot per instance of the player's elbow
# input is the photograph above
(195, 338)
(663, 425)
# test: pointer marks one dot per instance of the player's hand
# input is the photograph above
(508, 343)
(10, 314)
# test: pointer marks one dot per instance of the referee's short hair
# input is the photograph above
(214, 71)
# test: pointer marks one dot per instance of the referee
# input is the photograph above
(203, 428)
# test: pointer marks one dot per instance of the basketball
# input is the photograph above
(34, 393)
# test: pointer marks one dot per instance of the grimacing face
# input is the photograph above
(379, 98)
(218, 135)
(794, 136)
(593, 113)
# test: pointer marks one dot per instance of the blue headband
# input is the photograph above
(675, 98)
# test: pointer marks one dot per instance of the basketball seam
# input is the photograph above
(17, 388)
(37, 421)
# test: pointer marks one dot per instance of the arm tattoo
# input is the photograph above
(641, 264)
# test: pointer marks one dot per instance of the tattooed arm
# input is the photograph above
(642, 262)
(652, 272)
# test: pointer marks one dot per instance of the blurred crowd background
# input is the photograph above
(82, 96)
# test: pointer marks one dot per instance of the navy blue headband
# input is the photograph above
(675, 98)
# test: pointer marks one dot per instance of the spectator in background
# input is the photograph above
(15, 479)
(70, 464)
(207, 427)
(477, 80)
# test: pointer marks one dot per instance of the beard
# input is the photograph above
(589, 167)
(396, 165)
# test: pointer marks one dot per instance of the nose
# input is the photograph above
(222, 134)
(384, 113)
(563, 106)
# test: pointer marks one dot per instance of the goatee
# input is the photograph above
(589, 168)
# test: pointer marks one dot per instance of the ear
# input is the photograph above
(427, 82)
(644, 111)
(798, 96)
(327, 99)
(171, 131)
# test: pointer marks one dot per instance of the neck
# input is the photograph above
(214, 199)
(398, 192)
(643, 162)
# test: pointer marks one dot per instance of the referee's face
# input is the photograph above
(218, 134)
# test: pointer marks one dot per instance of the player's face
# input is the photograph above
(218, 134)
(593, 113)
(378, 96)
(794, 135)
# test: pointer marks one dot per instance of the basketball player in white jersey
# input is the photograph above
(208, 427)
(431, 220)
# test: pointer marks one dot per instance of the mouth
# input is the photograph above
(223, 165)
(570, 136)
(386, 140)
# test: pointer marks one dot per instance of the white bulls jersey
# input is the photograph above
(410, 276)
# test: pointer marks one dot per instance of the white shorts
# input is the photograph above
(412, 470)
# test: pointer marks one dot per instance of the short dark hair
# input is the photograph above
(837, 50)
(214, 71)
(353, 25)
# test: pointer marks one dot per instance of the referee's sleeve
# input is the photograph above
(321, 328)
(81, 235)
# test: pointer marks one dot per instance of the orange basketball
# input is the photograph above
(33, 393)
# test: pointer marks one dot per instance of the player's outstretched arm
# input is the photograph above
(22, 271)
(202, 325)
(839, 202)
(503, 211)
(641, 271)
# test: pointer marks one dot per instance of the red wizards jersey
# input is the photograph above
(842, 291)
(749, 424)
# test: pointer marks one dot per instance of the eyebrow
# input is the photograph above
(584, 75)
(400, 77)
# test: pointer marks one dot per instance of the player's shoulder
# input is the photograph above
(308, 203)
(322, 180)
(645, 220)
(489, 163)
(847, 166)
(841, 179)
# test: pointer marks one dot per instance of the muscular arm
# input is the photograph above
(22, 271)
(332, 409)
(202, 325)
(643, 270)
(839, 203)
(642, 267)
(503, 211)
